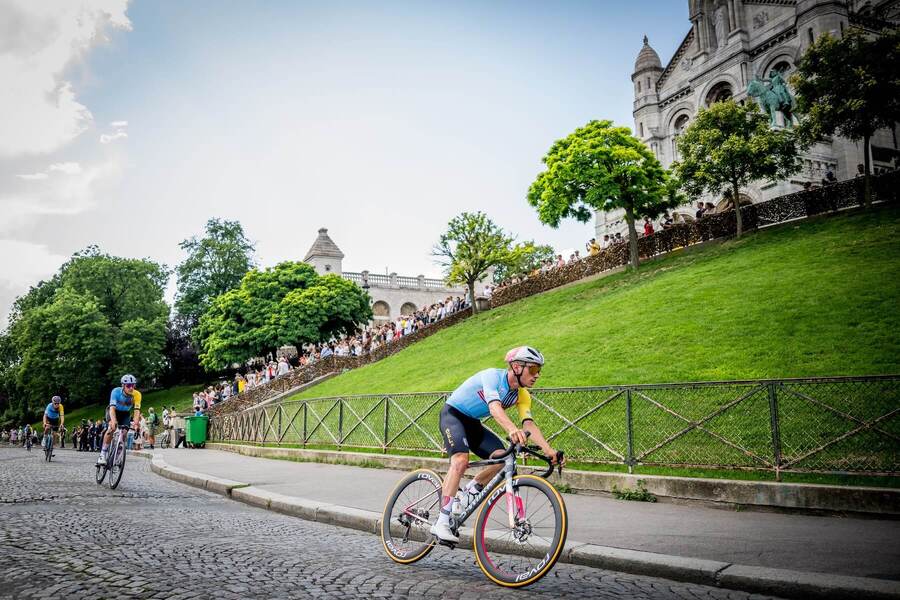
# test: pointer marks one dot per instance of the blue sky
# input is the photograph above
(380, 121)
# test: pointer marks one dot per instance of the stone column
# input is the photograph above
(421, 279)
(394, 282)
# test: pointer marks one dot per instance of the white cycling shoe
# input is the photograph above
(101, 460)
(442, 532)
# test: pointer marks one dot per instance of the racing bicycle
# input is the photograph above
(115, 459)
(519, 532)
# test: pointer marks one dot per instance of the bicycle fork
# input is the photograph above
(515, 507)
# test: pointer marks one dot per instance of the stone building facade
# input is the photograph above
(392, 295)
(729, 44)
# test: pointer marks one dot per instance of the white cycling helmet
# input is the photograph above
(525, 354)
(129, 379)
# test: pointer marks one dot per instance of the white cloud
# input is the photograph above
(72, 194)
(106, 138)
(119, 124)
(37, 41)
(33, 176)
(69, 168)
(24, 264)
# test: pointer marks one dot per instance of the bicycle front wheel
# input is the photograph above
(518, 539)
(48, 448)
(117, 466)
(411, 510)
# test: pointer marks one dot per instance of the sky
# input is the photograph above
(129, 124)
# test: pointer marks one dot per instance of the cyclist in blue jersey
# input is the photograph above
(121, 401)
(54, 417)
(487, 393)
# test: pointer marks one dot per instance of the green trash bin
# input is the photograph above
(195, 431)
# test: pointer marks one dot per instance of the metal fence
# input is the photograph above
(820, 425)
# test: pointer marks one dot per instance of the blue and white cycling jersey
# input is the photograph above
(474, 395)
(123, 402)
(52, 412)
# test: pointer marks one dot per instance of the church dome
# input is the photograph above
(647, 58)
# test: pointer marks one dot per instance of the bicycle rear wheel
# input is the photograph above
(520, 555)
(411, 510)
(117, 466)
(101, 473)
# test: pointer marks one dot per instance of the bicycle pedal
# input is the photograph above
(451, 545)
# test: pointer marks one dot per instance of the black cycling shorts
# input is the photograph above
(54, 423)
(123, 418)
(463, 433)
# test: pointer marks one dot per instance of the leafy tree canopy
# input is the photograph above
(849, 86)
(727, 146)
(286, 304)
(531, 257)
(471, 246)
(601, 167)
(215, 263)
(76, 334)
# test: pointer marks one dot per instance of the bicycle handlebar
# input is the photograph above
(533, 450)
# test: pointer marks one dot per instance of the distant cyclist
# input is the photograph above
(121, 401)
(54, 417)
(487, 393)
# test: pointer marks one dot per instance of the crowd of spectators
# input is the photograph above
(368, 339)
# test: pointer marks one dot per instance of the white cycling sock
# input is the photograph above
(473, 487)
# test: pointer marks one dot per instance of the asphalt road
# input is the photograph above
(63, 536)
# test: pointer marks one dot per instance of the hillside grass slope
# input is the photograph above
(814, 298)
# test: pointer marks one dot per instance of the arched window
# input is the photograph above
(639, 86)
(782, 66)
(381, 310)
(677, 129)
(719, 93)
(408, 308)
(641, 125)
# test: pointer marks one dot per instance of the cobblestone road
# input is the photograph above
(172, 541)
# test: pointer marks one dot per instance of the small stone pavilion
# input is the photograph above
(392, 295)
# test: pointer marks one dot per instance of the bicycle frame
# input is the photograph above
(492, 487)
(508, 459)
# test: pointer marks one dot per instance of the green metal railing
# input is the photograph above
(821, 425)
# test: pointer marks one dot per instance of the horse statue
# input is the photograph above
(773, 97)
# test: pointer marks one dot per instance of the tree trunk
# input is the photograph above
(868, 176)
(736, 198)
(472, 297)
(632, 239)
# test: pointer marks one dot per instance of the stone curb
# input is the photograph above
(781, 582)
(762, 495)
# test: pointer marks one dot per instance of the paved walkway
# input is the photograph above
(864, 547)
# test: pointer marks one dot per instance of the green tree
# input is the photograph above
(601, 167)
(530, 257)
(215, 263)
(727, 146)
(286, 304)
(849, 85)
(472, 245)
(75, 334)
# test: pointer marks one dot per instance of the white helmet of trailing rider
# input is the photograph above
(126, 379)
(525, 354)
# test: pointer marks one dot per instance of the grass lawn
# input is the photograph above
(816, 298)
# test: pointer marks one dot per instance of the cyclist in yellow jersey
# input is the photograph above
(121, 401)
(487, 393)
